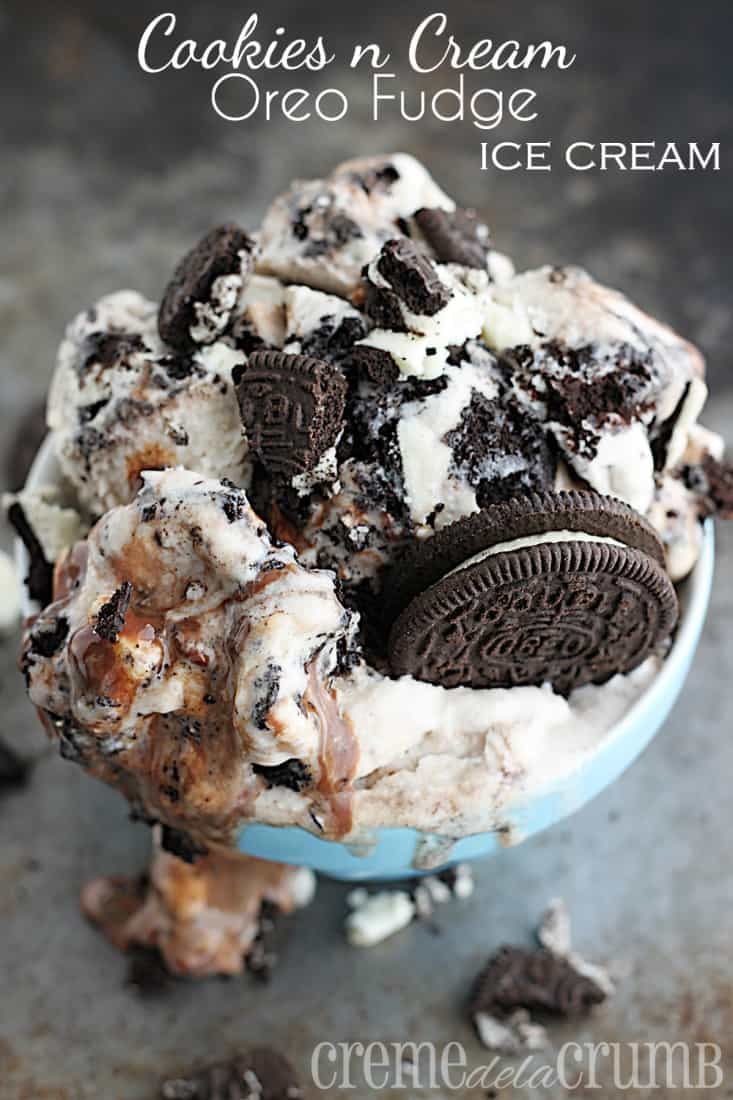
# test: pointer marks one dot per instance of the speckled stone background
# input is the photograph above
(106, 174)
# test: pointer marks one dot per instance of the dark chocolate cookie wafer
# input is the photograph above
(292, 409)
(455, 236)
(425, 561)
(556, 611)
(536, 980)
(225, 250)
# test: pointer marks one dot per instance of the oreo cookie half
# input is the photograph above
(559, 588)
(224, 251)
(292, 408)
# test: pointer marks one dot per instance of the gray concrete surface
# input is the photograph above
(105, 176)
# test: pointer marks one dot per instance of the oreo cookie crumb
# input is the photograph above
(39, 580)
(534, 980)
(332, 343)
(110, 618)
(180, 367)
(376, 179)
(46, 637)
(581, 389)
(107, 350)
(234, 505)
(323, 227)
(378, 365)
(455, 236)
(501, 450)
(260, 1074)
(180, 844)
(266, 688)
(261, 958)
(292, 773)
(712, 482)
(412, 277)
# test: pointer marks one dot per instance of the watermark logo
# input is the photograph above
(576, 1067)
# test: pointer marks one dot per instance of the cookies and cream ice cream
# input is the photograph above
(310, 404)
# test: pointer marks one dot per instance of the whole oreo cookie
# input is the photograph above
(455, 236)
(224, 250)
(563, 588)
(292, 409)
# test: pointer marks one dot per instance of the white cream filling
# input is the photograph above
(532, 540)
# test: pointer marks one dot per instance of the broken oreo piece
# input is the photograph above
(293, 774)
(262, 1072)
(110, 618)
(374, 363)
(712, 481)
(224, 251)
(412, 277)
(39, 580)
(292, 408)
(558, 588)
(455, 236)
(535, 980)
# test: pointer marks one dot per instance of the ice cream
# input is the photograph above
(216, 648)
(120, 403)
(203, 918)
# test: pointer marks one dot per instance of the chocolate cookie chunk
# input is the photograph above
(712, 481)
(225, 250)
(455, 236)
(509, 596)
(412, 277)
(292, 409)
(501, 450)
(262, 1072)
(374, 363)
(110, 618)
(536, 980)
(39, 580)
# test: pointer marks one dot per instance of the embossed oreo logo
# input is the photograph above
(292, 409)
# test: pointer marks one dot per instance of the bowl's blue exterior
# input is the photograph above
(392, 853)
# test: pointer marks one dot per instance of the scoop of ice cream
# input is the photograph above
(322, 232)
(120, 403)
(183, 647)
(618, 390)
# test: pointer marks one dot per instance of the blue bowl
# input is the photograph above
(399, 853)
